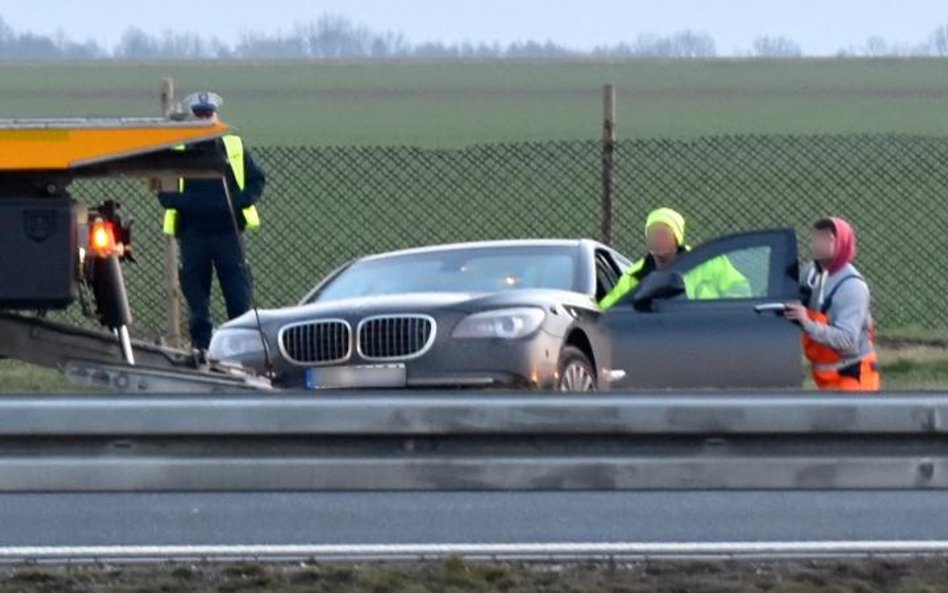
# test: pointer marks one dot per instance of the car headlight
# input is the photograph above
(230, 344)
(501, 323)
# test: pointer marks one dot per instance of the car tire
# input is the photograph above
(576, 374)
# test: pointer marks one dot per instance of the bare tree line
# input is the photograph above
(337, 37)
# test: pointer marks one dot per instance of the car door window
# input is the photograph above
(738, 274)
(745, 266)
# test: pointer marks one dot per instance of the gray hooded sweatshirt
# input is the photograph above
(844, 298)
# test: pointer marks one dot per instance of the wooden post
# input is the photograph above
(608, 206)
(172, 283)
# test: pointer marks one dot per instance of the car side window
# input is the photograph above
(621, 262)
(607, 275)
(736, 274)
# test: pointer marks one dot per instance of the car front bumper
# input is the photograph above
(460, 363)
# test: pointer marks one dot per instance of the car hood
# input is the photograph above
(413, 303)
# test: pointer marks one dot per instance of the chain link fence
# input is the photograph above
(324, 206)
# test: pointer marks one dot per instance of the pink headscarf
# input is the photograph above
(845, 245)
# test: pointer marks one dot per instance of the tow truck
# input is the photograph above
(56, 250)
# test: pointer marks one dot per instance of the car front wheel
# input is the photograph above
(576, 373)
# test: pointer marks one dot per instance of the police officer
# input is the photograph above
(208, 223)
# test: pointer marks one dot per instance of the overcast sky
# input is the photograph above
(821, 27)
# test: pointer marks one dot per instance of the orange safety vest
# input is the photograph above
(862, 375)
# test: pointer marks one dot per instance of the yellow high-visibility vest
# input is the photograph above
(234, 147)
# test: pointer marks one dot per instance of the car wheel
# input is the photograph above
(576, 372)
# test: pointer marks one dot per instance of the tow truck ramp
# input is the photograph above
(93, 359)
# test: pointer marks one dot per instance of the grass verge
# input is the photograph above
(926, 575)
(906, 363)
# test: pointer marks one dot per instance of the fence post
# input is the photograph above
(607, 213)
(172, 284)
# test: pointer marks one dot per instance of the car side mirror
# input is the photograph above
(656, 286)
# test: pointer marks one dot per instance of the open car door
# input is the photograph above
(694, 324)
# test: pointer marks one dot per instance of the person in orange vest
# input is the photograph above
(837, 328)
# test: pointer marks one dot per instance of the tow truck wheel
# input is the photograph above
(576, 373)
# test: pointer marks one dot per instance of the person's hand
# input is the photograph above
(796, 312)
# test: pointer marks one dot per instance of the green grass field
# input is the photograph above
(454, 104)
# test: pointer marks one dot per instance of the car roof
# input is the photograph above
(575, 243)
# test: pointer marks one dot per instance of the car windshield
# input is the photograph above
(467, 270)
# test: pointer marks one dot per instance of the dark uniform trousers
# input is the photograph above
(201, 254)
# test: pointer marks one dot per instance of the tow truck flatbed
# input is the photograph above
(59, 144)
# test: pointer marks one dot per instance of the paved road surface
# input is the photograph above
(329, 519)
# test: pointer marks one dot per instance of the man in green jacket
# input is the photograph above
(716, 278)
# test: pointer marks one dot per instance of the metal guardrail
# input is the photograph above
(462, 441)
